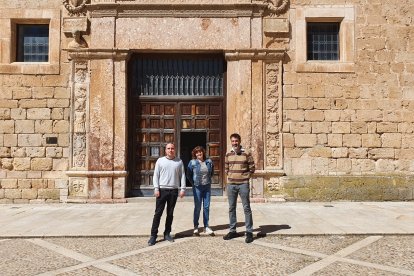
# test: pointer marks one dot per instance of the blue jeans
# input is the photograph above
(201, 194)
(233, 191)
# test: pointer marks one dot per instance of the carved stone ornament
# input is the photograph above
(75, 7)
(277, 6)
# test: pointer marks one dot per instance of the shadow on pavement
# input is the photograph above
(262, 230)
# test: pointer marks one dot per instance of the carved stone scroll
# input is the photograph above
(75, 7)
(277, 6)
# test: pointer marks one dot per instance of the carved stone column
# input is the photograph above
(98, 125)
(254, 109)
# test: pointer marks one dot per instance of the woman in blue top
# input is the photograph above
(199, 172)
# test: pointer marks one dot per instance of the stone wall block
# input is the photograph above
(39, 183)
(320, 151)
(314, 115)
(43, 126)
(38, 113)
(56, 152)
(300, 127)
(24, 183)
(61, 93)
(61, 184)
(294, 115)
(5, 114)
(321, 127)
(41, 164)
(18, 152)
(12, 193)
(359, 127)
(305, 103)
(36, 151)
(42, 92)
(18, 114)
(335, 140)
(290, 103)
(24, 126)
(61, 164)
(60, 126)
(5, 152)
(381, 153)
(339, 152)
(288, 140)
(53, 103)
(49, 194)
(358, 153)
(21, 164)
(6, 126)
(8, 183)
(371, 140)
(391, 140)
(30, 103)
(29, 140)
(341, 127)
(6, 164)
(21, 93)
(57, 114)
(305, 140)
(352, 140)
(332, 115)
(1, 194)
(29, 193)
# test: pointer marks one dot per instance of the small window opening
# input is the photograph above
(323, 40)
(32, 43)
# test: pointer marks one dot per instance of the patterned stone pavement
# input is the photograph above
(269, 255)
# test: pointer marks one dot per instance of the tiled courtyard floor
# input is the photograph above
(270, 255)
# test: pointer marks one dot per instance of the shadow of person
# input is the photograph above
(189, 233)
(263, 230)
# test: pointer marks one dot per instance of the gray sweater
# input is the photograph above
(168, 174)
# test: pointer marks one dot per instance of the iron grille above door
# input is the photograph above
(167, 75)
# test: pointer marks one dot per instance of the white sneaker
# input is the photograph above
(195, 232)
(208, 231)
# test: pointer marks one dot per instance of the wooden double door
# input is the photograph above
(187, 124)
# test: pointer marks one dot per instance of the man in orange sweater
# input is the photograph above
(239, 166)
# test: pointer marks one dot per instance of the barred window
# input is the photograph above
(32, 43)
(323, 40)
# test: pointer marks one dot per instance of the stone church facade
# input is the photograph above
(321, 91)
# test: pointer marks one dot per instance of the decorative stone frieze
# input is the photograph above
(273, 115)
(189, 10)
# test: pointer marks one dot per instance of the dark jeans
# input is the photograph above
(244, 191)
(166, 196)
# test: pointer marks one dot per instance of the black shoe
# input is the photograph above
(249, 237)
(168, 237)
(152, 240)
(230, 235)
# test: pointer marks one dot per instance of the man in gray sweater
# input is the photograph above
(169, 177)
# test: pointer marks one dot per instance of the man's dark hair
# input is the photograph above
(235, 135)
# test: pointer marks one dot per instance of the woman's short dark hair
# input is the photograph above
(197, 149)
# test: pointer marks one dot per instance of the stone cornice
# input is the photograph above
(87, 54)
(96, 173)
(255, 54)
(176, 10)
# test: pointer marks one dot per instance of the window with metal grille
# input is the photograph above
(32, 43)
(323, 40)
(175, 75)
